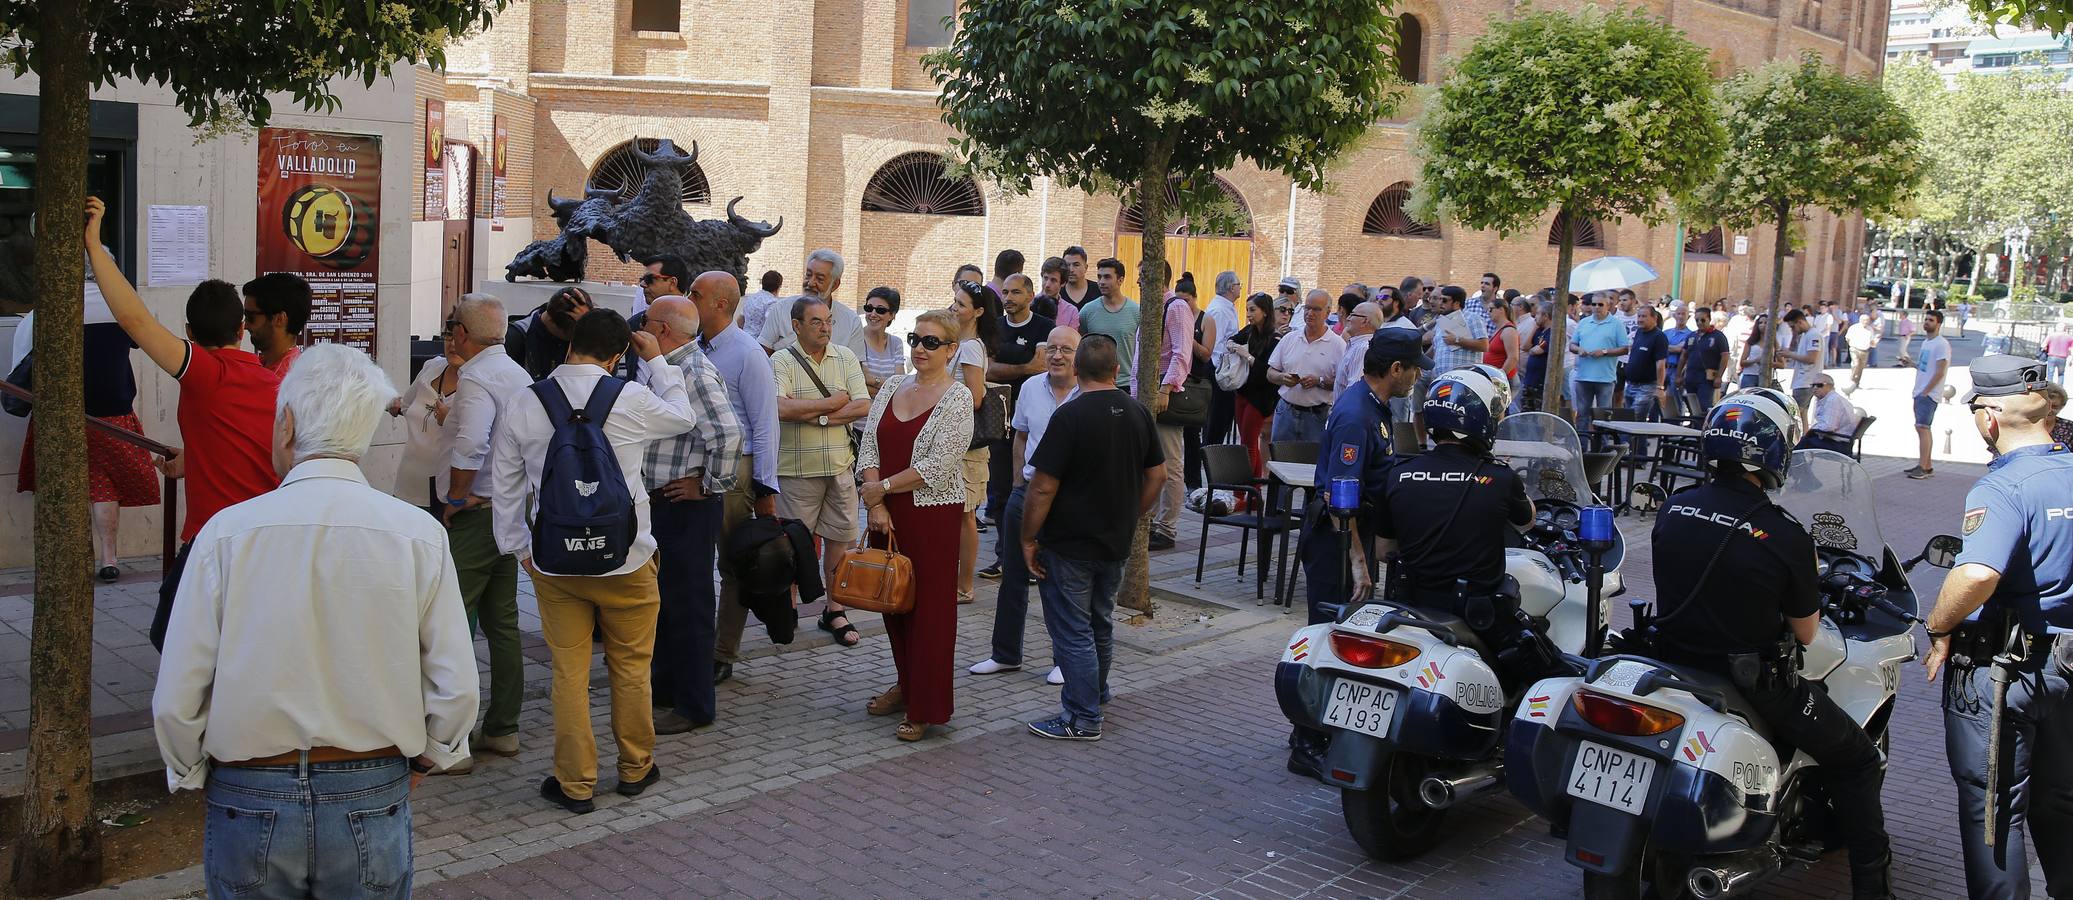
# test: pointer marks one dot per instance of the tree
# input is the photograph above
(2053, 15)
(1803, 134)
(222, 60)
(1129, 96)
(1597, 114)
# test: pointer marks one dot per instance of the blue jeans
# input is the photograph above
(2056, 366)
(1293, 424)
(1586, 396)
(322, 830)
(1011, 606)
(1698, 400)
(1079, 595)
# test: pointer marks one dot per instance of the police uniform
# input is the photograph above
(1355, 445)
(1711, 610)
(2018, 522)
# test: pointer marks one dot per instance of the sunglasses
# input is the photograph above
(881, 310)
(928, 341)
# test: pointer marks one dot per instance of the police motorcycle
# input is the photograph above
(1661, 774)
(1410, 698)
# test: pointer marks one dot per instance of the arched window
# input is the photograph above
(1589, 236)
(1386, 216)
(619, 170)
(1410, 48)
(1131, 219)
(918, 183)
(1706, 246)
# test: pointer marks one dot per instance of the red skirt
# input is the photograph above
(116, 472)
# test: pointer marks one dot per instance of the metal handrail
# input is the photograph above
(169, 495)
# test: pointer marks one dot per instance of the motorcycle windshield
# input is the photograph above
(1831, 496)
(1547, 455)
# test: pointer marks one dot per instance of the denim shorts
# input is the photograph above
(1925, 411)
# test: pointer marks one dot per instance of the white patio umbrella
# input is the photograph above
(1610, 273)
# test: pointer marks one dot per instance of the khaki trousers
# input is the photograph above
(739, 503)
(1173, 493)
(624, 608)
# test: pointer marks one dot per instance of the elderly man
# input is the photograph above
(823, 276)
(1834, 419)
(1360, 329)
(820, 391)
(1303, 365)
(310, 691)
(1035, 400)
(1598, 340)
(488, 576)
(752, 394)
(1220, 320)
(686, 476)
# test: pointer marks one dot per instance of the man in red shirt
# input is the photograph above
(277, 305)
(226, 398)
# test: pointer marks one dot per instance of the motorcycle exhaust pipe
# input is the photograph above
(1735, 876)
(1442, 791)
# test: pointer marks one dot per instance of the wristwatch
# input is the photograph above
(821, 421)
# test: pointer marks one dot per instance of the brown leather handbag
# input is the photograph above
(874, 580)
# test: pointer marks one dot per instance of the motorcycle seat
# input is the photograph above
(1464, 636)
(1731, 697)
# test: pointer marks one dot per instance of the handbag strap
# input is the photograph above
(810, 373)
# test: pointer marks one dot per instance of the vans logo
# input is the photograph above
(584, 544)
(586, 488)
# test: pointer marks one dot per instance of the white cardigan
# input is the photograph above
(939, 449)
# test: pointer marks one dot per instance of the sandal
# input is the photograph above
(964, 598)
(886, 704)
(911, 731)
(845, 633)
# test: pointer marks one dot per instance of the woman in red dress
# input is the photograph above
(117, 474)
(911, 463)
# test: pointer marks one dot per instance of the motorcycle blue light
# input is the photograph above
(1345, 495)
(1596, 525)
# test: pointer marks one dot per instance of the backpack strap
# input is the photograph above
(601, 399)
(553, 399)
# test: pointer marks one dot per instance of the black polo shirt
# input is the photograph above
(1017, 344)
(1764, 575)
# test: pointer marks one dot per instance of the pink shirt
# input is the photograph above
(1177, 352)
(1068, 315)
(2058, 345)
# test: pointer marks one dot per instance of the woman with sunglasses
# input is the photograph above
(911, 464)
(1284, 318)
(883, 357)
(428, 438)
(977, 310)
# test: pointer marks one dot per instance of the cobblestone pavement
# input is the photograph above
(797, 793)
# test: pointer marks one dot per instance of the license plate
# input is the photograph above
(1609, 776)
(1359, 706)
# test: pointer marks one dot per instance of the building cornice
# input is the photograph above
(679, 88)
(888, 97)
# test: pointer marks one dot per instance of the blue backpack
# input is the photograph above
(585, 521)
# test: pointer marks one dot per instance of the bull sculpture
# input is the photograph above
(644, 227)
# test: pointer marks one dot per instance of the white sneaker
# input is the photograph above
(990, 667)
(1057, 676)
(463, 767)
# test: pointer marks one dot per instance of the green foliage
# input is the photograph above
(222, 57)
(1602, 113)
(1287, 86)
(1997, 146)
(1803, 134)
(2053, 15)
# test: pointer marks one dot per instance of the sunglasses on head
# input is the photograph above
(881, 310)
(928, 341)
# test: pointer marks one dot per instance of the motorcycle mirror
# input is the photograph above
(1942, 550)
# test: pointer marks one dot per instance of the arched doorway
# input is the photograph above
(1204, 250)
(1706, 265)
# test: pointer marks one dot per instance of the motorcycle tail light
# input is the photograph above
(1617, 715)
(1371, 652)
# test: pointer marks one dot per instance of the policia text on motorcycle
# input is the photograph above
(1737, 596)
(2003, 624)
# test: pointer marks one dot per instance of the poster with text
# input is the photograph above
(320, 218)
(500, 159)
(435, 160)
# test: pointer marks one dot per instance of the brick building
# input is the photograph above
(821, 113)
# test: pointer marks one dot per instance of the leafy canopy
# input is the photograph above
(2054, 15)
(1803, 134)
(1599, 112)
(222, 57)
(1086, 91)
(1996, 143)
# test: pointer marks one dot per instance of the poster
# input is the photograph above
(499, 158)
(1741, 245)
(320, 218)
(435, 160)
(179, 240)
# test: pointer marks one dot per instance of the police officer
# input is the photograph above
(2011, 594)
(1356, 444)
(1445, 513)
(1737, 595)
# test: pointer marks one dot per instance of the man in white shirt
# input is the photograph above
(1220, 320)
(489, 577)
(1931, 365)
(623, 602)
(823, 276)
(1036, 399)
(311, 691)
(1804, 355)
(1303, 365)
(755, 308)
(1835, 420)
(1360, 329)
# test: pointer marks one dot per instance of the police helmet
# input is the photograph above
(1467, 404)
(1775, 396)
(1753, 430)
(1502, 381)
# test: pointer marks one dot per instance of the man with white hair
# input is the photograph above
(823, 276)
(308, 692)
(1220, 320)
(488, 576)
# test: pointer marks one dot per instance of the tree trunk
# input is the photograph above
(1772, 324)
(59, 846)
(1136, 592)
(1553, 397)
